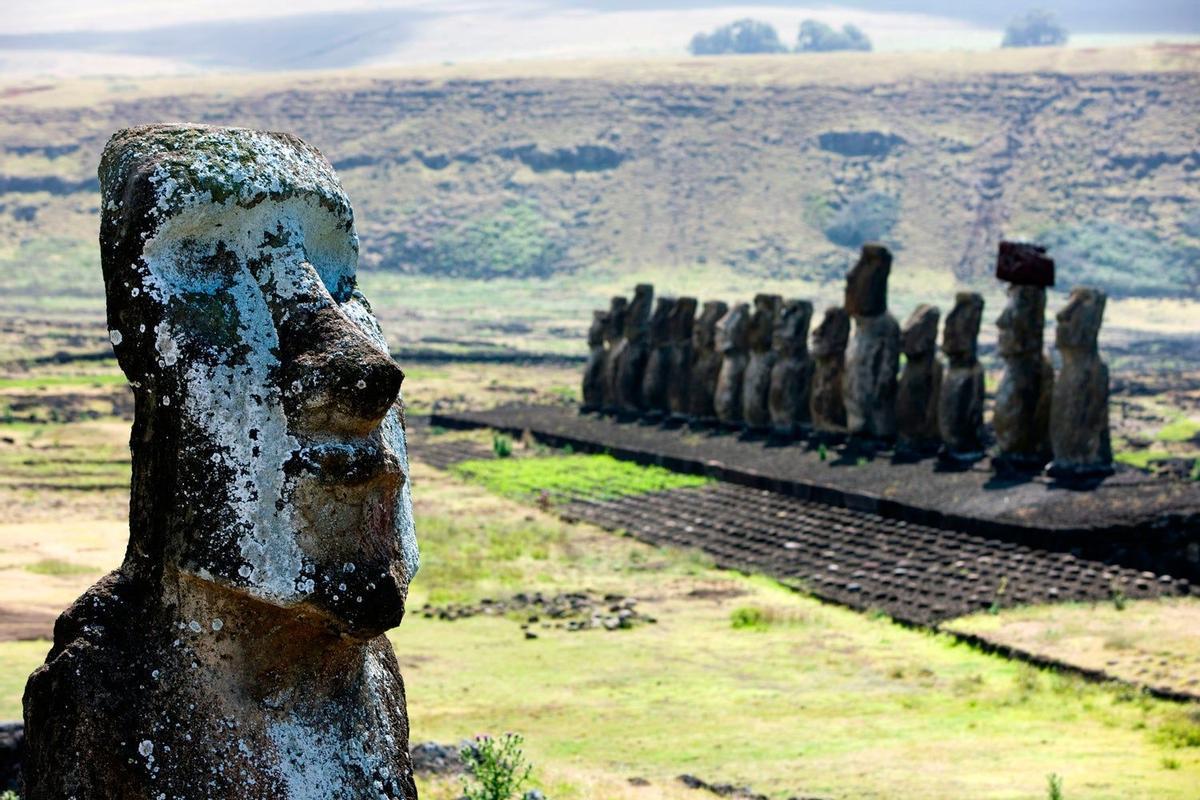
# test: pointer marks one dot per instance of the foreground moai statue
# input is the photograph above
(791, 375)
(829, 339)
(238, 651)
(756, 384)
(1021, 416)
(733, 343)
(593, 372)
(920, 382)
(679, 369)
(706, 363)
(658, 364)
(960, 403)
(873, 355)
(628, 359)
(614, 329)
(1079, 431)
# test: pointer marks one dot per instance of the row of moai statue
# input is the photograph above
(750, 366)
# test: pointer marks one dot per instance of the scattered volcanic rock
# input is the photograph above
(1079, 433)
(1021, 413)
(733, 344)
(791, 375)
(570, 611)
(756, 384)
(239, 650)
(829, 339)
(920, 380)
(706, 362)
(1024, 265)
(960, 403)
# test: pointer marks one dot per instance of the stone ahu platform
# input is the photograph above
(1129, 518)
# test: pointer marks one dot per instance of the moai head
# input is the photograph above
(637, 315)
(704, 331)
(733, 330)
(683, 317)
(791, 328)
(596, 331)
(268, 451)
(918, 339)
(832, 335)
(1022, 321)
(1079, 321)
(960, 334)
(762, 321)
(660, 321)
(867, 282)
(614, 327)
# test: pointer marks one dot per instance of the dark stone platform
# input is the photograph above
(1130, 518)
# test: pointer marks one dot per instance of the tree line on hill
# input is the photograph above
(749, 36)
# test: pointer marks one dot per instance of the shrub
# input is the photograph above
(517, 241)
(742, 37)
(1035, 29)
(1122, 260)
(867, 217)
(496, 768)
(501, 445)
(817, 37)
(1054, 787)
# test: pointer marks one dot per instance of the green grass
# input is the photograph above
(1181, 429)
(1140, 458)
(596, 475)
(58, 567)
(17, 660)
(41, 381)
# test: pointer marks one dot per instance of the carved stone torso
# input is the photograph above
(829, 341)
(791, 375)
(706, 362)
(658, 363)
(732, 333)
(756, 383)
(920, 381)
(679, 367)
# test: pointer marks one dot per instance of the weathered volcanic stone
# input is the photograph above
(1021, 415)
(867, 282)
(960, 403)
(829, 339)
(658, 365)
(872, 361)
(239, 650)
(679, 370)
(593, 372)
(756, 384)
(733, 343)
(614, 329)
(791, 376)
(920, 380)
(1024, 265)
(706, 362)
(1079, 433)
(627, 366)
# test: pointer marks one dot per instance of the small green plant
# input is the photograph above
(1119, 600)
(822, 452)
(496, 768)
(10, 795)
(1170, 763)
(998, 597)
(1195, 474)
(748, 618)
(501, 445)
(1054, 788)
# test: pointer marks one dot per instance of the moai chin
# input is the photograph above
(960, 402)
(658, 363)
(239, 649)
(629, 357)
(829, 339)
(873, 355)
(791, 375)
(1079, 431)
(756, 383)
(1021, 415)
(706, 363)
(614, 329)
(593, 372)
(733, 332)
(679, 362)
(920, 382)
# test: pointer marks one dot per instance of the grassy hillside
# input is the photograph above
(766, 168)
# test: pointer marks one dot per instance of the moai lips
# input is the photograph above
(960, 403)
(829, 340)
(920, 381)
(733, 332)
(628, 358)
(1079, 432)
(756, 383)
(791, 375)
(238, 651)
(706, 363)
(679, 368)
(658, 363)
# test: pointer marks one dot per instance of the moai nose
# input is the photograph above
(334, 378)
